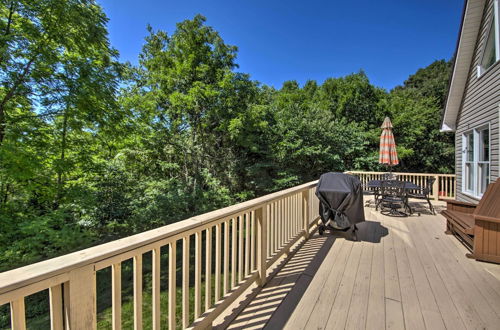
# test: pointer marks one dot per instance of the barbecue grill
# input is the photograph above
(341, 203)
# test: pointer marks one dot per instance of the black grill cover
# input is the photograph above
(341, 200)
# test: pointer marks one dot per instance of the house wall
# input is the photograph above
(480, 106)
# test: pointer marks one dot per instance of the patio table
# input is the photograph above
(377, 184)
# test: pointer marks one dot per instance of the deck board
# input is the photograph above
(337, 316)
(411, 306)
(405, 273)
(356, 318)
(376, 300)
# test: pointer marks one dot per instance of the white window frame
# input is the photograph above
(475, 193)
(496, 27)
(465, 161)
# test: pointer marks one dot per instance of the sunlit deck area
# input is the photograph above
(405, 273)
(262, 264)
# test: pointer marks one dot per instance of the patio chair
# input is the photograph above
(424, 193)
(393, 198)
(389, 176)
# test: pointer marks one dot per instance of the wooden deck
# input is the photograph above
(404, 274)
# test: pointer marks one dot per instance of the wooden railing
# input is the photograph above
(233, 248)
(444, 186)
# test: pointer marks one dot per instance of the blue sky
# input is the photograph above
(309, 39)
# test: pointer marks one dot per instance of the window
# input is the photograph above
(484, 160)
(476, 164)
(491, 50)
(469, 162)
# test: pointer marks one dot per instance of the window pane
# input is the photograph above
(469, 176)
(470, 147)
(484, 177)
(484, 147)
(489, 56)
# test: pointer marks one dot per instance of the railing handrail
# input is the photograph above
(23, 276)
(403, 173)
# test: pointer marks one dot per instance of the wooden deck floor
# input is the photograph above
(404, 274)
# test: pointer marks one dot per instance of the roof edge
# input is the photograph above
(444, 127)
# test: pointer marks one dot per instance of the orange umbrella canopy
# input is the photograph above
(388, 154)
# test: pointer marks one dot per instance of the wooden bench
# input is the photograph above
(478, 226)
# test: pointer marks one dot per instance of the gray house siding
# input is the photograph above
(480, 106)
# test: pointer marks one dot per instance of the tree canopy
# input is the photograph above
(92, 149)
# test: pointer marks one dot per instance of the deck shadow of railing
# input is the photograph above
(274, 304)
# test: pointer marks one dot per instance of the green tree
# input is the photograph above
(415, 108)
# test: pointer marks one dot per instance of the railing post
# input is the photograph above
(17, 314)
(454, 186)
(305, 212)
(261, 216)
(82, 298)
(435, 188)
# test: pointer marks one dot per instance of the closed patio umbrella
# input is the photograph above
(388, 154)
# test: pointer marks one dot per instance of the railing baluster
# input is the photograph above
(252, 242)
(197, 276)
(296, 211)
(280, 223)
(298, 208)
(269, 243)
(274, 234)
(138, 292)
(305, 212)
(284, 222)
(292, 211)
(218, 256)
(185, 281)
(172, 289)
(240, 248)
(156, 289)
(116, 285)
(208, 268)
(290, 216)
(233, 252)
(17, 314)
(66, 305)
(247, 245)
(226, 257)
(277, 221)
(435, 187)
(287, 221)
(294, 216)
(261, 216)
(56, 307)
